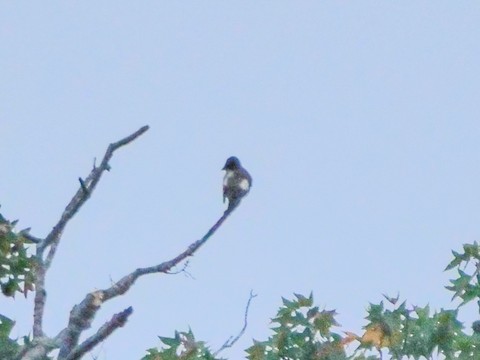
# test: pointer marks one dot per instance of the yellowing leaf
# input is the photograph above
(349, 338)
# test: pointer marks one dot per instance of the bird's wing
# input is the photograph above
(249, 179)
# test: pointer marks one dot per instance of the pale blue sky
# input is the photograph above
(359, 122)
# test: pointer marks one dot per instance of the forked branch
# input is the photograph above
(82, 314)
(89, 306)
(232, 340)
(52, 240)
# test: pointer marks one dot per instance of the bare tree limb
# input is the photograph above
(83, 314)
(81, 318)
(40, 298)
(53, 238)
(86, 188)
(232, 340)
(124, 284)
(37, 349)
(118, 320)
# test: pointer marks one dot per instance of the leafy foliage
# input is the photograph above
(16, 275)
(301, 331)
(467, 285)
(8, 347)
(418, 334)
(16, 265)
(182, 346)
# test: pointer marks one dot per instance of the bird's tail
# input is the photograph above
(232, 204)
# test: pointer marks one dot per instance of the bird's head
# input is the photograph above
(232, 163)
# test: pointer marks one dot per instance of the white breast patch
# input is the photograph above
(244, 185)
(228, 175)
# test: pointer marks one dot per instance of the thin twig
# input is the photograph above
(183, 269)
(53, 238)
(89, 183)
(83, 186)
(232, 340)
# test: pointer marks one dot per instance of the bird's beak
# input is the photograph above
(224, 167)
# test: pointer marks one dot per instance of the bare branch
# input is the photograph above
(53, 238)
(83, 314)
(37, 349)
(81, 318)
(232, 340)
(86, 188)
(118, 320)
(124, 284)
(40, 298)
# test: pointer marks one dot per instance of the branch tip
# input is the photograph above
(232, 340)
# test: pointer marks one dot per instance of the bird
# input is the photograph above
(236, 182)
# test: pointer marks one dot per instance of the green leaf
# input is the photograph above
(454, 263)
(257, 350)
(174, 342)
(375, 312)
(6, 326)
(472, 250)
(304, 301)
(392, 300)
(289, 304)
(470, 293)
(9, 288)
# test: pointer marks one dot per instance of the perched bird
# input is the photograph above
(236, 183)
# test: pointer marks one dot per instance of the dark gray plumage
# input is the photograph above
(236, 183)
